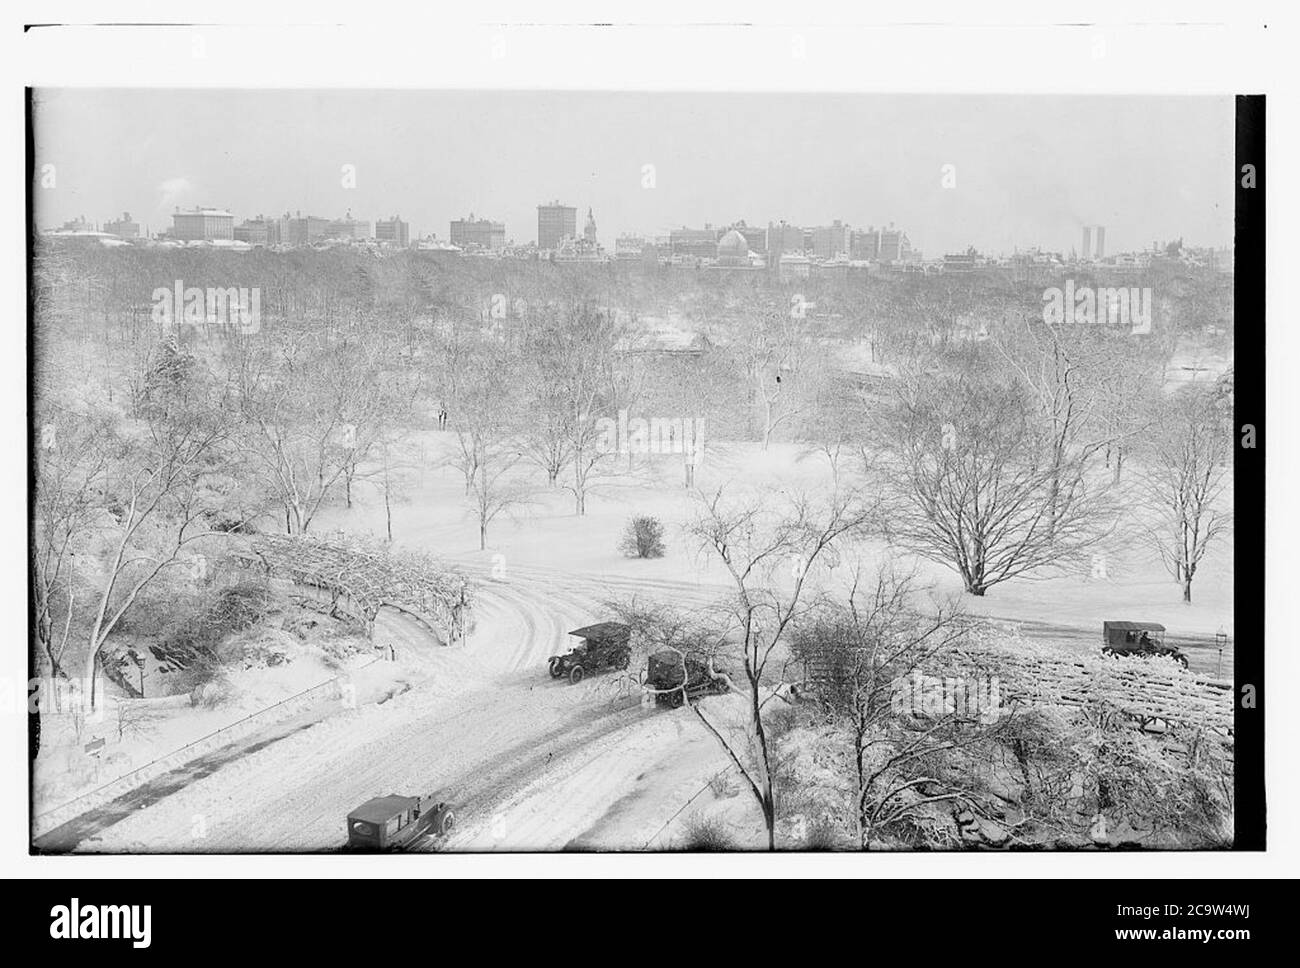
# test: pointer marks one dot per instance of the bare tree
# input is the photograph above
(159, 500)
(488, 417)
(1086, 384)
(73, 455)
(770, 344)
(312, 411)
(769, 553)
(975, 485)
(1185, 479)
(856, 655)
(577, 347)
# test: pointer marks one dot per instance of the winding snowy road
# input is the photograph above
(529, 762)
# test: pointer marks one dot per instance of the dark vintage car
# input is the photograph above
(604, 645)
(1138, 638)
(664, 674)
(396, 822)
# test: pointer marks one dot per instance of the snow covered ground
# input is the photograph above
(536, 764)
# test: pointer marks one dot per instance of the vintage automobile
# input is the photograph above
(396, 822)
(1140, 639)
(604, 645)
(664, 675)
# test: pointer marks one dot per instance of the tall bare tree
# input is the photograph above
(974, 483)
(1186, 477)
(770, 344)
(769, 552)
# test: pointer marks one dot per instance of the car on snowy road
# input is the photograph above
(396, 822)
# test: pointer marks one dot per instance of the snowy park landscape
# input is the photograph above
(868, 554)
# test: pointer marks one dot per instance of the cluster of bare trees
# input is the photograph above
(118, 503)
(1003, 457)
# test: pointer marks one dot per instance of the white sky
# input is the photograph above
(1030, 170)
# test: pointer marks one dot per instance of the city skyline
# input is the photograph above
(713, 158)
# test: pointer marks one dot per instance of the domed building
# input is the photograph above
(733, 250)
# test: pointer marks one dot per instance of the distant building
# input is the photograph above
(437, 246)
(865, 246)
(830, 241)
(348, 228)
(1101, 242)
(123, 228)
(755, 236)
(555, 222)
(393, 231)
(258, 231)
(795, 267)
(299, 229)
(1086, 251)
(480, 233)
(733, 250)
(967, 261)
(783, 239)
(589, 230)
(78, 224)
(203, 225)
(694, 243)
(894, 245)
(635, 248)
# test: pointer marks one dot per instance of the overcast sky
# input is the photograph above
(1029, 170)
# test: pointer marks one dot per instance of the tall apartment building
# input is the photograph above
(865, 246)
(1101, 241)
(482, 233)
(555, 222)
(348, 228)
(894, 245)
(393, 231)
(203, 225)
(830, 241)
(123, 228)
(783, 239)
(1086, 251)
(299, 229)
(258, 231)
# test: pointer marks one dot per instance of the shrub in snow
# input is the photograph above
(643, 538)
(706, 834)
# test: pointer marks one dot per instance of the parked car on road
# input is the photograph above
(396, 822)
(1138, 638)
(604, 646)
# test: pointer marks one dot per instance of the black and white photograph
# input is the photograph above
(474, 466)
